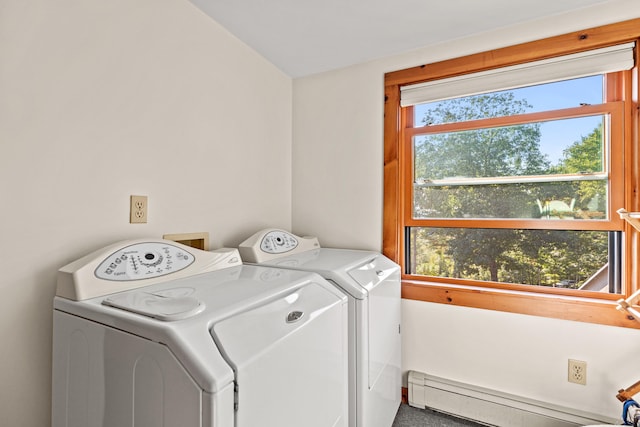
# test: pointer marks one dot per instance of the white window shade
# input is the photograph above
(588, 63)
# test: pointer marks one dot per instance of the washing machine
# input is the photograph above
(372, 283)
(151, 333)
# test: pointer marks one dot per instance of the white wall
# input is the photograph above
(519, 354)
(103, 99)
(337, 195)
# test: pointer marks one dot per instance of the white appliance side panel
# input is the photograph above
(384, 327)
(379, 381)
(103, 377)
(382, 398)
(216, 408)
(290, 374)
(354, 314)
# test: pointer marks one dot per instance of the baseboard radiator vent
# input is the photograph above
(492, 407)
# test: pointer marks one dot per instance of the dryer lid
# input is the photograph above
(332, 264)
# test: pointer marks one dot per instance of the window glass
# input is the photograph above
(513, 172)
(546, 200)
(529, 149)
(549, 258)
(551, 168)
(544, 97)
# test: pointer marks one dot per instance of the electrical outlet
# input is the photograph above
(577, 372)
(138, 210)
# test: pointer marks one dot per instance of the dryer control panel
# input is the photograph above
(272, 243)
(132, 264)
(277, 242)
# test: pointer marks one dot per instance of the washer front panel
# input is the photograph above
(143, 261)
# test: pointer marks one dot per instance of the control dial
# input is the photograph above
(151, 259)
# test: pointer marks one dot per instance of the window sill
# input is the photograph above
(589, 310)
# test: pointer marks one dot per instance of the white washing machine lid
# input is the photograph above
(167, 308)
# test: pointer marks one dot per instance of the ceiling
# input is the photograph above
(303, 37)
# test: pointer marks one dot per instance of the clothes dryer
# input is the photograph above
(372, 283)
(152, 333)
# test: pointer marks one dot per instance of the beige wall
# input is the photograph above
(337, 195)
(103, 99)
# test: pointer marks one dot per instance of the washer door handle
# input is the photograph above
(294, 316)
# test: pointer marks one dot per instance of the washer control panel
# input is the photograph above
(272, 243)
(132, 264)
(144, 260)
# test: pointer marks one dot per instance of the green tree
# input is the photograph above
(493, 152)
(586, 156)
(504, 151)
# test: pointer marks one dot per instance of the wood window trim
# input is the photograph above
(513, 298)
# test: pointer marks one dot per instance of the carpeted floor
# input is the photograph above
(409, 416)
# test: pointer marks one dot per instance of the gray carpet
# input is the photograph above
(409, 416)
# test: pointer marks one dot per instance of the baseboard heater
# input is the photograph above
(492, 407)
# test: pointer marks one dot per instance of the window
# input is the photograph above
(555, 168)
(502, 183)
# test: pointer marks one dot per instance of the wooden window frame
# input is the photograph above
(555, 303)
